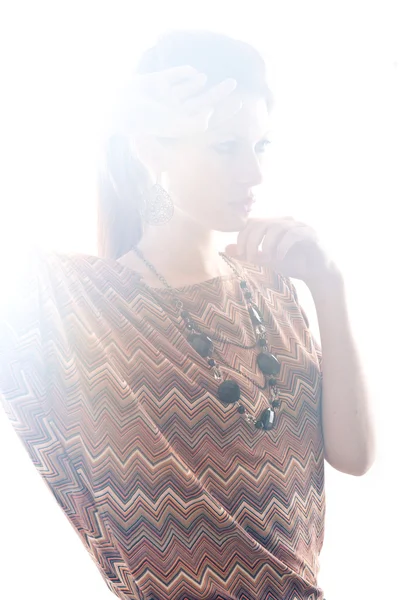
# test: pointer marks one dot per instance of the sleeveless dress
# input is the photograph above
(174, 495)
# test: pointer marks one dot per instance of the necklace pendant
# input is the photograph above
(268, 363)
(255, 315)
(229, 391)
(201, 343)
(266, 420)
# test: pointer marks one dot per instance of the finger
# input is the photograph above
(247, 231)
(193, 124)
(160, 84)
(176, 74)
(274, 235)
(192, 86)
(177, 95)
(254, 240)
(269, 233)
(291, 237)
(225, 109)
(212, 96)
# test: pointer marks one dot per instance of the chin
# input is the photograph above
(229, 223)
(226, 219)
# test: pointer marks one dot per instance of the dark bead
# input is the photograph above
(243, 284)
(258, 425)
(211, 362)
(229, 391)
(268, 364)
(241, 409)
(201, 343)
(272, 381)
(267, 419)
(276, 403)
(255, 315)
(262, 342)
(185, 314)
(247, 295)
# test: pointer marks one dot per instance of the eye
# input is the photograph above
(261, 146)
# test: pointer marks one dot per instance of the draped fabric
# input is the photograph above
(174, 495)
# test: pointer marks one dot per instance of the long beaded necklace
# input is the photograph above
(229, 391)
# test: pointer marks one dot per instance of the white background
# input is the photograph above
(334, 69)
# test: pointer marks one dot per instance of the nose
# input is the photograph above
(249, 171)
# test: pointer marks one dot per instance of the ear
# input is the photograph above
(152, 152)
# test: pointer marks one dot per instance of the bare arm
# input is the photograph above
(347, 418)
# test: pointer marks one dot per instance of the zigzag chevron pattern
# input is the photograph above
(175, 496)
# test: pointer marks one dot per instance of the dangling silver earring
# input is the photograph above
(159, 207)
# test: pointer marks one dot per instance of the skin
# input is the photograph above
(203, 172)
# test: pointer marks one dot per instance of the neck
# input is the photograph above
(184, 252)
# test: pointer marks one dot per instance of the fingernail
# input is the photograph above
(231, 250)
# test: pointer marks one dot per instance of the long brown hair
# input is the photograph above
(122, 178)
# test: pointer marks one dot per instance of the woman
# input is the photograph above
(168, 393)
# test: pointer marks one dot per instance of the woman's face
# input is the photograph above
(207, 173)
